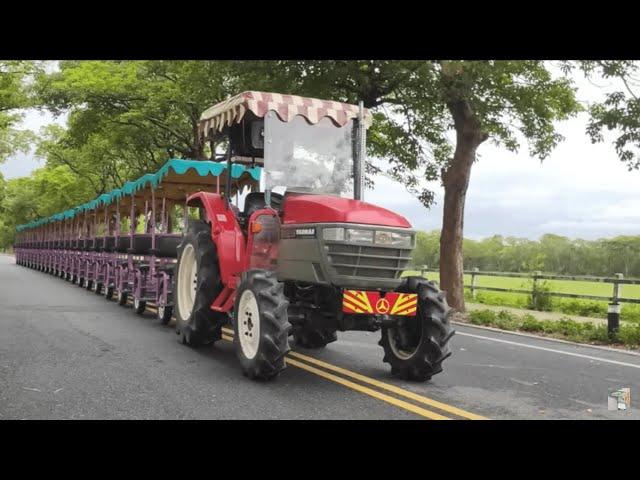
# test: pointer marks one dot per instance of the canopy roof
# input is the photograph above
(174, 179)
(232, 110)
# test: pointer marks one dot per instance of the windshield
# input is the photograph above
(308, 158)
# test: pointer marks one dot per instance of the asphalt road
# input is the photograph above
(66, 353)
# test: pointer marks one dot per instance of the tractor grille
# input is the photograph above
(367, 261)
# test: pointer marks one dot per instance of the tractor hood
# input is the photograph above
(330, 209)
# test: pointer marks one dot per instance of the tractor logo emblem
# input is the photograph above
(382, 305)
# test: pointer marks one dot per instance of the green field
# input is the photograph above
(583, 307)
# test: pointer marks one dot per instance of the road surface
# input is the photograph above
(66, 353)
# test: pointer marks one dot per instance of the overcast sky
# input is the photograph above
(581, 190)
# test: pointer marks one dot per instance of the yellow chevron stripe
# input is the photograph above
(404, 307)
(351, 307)
(364, 298)
(404, 299)
(366, 307)
(354, 301)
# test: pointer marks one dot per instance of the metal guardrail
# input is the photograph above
(616, 282)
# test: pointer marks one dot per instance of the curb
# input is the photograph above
(551, 339)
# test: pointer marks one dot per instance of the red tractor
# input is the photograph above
(304, 256)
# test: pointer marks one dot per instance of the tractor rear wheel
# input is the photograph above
(261, 325)
(416, 346)
(196, 285)
(314, 338)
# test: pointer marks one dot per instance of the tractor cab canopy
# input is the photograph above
(304, 144)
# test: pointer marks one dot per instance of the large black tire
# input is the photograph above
(200, 325)
(314, 338)
(417, 346)
(108, 293)
(139, 306)
(260, 290)
(165, 314)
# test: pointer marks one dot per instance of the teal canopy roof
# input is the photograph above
(180, 167)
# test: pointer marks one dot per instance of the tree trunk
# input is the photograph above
(455, 180)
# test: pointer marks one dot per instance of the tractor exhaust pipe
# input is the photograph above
(360, 153)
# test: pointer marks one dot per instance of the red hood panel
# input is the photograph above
(329, 209)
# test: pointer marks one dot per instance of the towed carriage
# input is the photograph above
(298, 254)
(123, 244)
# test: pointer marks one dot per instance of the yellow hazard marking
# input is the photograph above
(365, 306)
(352, 307)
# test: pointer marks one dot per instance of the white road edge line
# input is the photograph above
(548, 339)
(535, 347)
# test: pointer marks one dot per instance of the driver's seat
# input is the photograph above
(256, 201)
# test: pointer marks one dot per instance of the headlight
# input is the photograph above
(393, 238)
(357, 235)
(335, 233)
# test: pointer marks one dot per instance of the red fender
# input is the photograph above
(226, 234)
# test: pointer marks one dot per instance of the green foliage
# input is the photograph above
(628, 334)
(414, 103)
(47, 191)
(540, 299)
(551, 253)
(128, 117)
(620, 111)
(14, 97)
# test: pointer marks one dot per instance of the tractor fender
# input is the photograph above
(225, 233)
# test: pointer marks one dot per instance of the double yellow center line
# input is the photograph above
(370, 386)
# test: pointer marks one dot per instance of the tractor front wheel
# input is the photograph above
(261, 325)
(416, 346)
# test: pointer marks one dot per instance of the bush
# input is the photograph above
(530, 324)
(540, 299)
(629, 335)
(482, 317)
(565, 328)
(583, 308)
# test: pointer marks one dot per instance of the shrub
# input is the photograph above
(482, 317)
(540, 299)
(530, 324)
(564, 328)
(629, 334)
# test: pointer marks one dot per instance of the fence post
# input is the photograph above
(473, 282)
(534, 293)
(423, 270)
(613, 312)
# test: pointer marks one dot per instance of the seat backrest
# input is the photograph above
(252, 202)
(255, 201)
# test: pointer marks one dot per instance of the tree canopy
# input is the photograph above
(430, 117)
(14, 96)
